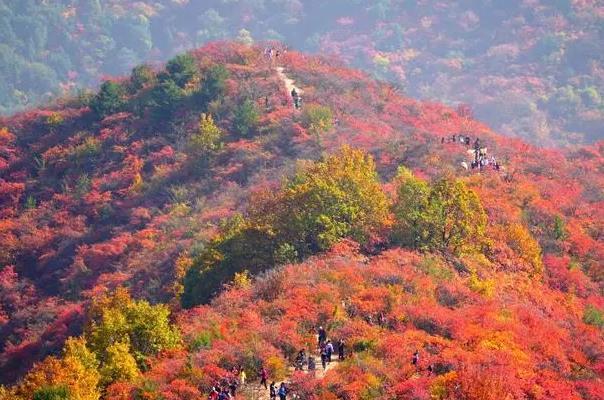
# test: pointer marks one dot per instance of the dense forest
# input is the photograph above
(529, 68)
(187, 220)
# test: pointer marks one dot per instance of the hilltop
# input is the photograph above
(174, 182)
(531, 69)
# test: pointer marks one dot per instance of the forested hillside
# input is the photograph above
(531, 69)
(187, 219)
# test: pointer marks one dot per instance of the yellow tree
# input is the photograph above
(119, 365)
(76, 373)
(456, 220)
(338, 197)
(446, 215)
(138, 327)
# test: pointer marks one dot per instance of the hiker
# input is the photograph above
(214, 394)
(282, 391)
(341, 349)
(453, 139)
(329, 350)
(322, 335)
(298, 102)
(266, 103)
(224, 394)
(242, 377)
(277, 54)
(264, 377)
(296, 98)
(430, 369)
(233, 386)
(272, 392)
(415, 359)
(299, 364)
(311, 365)
(442, 140)
(324, 358)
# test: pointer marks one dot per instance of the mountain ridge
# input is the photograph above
(130, 187)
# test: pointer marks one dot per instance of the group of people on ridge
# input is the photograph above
(481, 159)
(271, 52)
(227, 389)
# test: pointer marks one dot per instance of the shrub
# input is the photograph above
(52, 393)
(317, 119)
(593, 316)
(140, 77)
(208, 137)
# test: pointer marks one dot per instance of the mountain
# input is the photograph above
(189, 219)
(530, 69)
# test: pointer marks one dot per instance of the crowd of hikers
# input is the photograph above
(227, 388)
(480, 159)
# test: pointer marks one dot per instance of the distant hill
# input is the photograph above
(530, 69)
(178, 180)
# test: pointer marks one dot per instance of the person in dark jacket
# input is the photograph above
(322, 335)
(341, 345)
(272, 391)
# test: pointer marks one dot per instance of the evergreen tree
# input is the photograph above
(109, 100)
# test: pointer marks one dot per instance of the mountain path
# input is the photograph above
(289, 83)
(252, 390)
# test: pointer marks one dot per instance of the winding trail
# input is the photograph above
(254, 391)
(289, 83)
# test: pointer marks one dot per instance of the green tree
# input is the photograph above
(241, 247)
(246, 118)
(165, 98)
(338, 197)
(182, 69)
(213, 85)
(410, 209)
(109, 100)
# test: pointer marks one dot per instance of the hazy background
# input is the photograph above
(529, 68)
